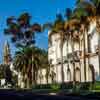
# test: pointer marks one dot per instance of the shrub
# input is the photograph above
(97, 86)
(85, 86)
(42, 86)
(55, 86)
(67, 85)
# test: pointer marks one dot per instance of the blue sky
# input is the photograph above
(41, 11)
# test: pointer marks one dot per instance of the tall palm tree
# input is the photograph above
(91, 8)
(97, 6)
(21, 62)
(72, 25)
(22, 32)
(58, 28)
(32, 59)
(68, 15)
(81, 14)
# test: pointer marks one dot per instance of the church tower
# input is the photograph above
(7, 55)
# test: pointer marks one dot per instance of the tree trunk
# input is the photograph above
(24, 75)
(62, 67)
(67, 55)
(98, 30)
(28, 78)
(28, 84)
(89, 50)
(99, 52)
(40, 76)
(36, 76)
(79, 59)
(84, 46)
(32, 71)
(73, 61)
(67, 52)
(47, 72)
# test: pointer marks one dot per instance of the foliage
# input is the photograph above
(8, 75)
(68, 85)
(2, 71)
(84, 86)
(21, 30)
(97, 86)
(55, 86)
(42, 86)
(28, 58)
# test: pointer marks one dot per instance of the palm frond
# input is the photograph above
(36, 27)
(10, 20)
(47, 26)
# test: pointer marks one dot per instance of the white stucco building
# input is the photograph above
(92, 59)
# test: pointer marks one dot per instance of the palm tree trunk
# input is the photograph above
(40, 76)
(36, 77)
(62, 67)
(98, 30)
(28, 79)
(28, 85)
(32, 71)
(84, 46)
(72, 45)
(47, 72)
(67, 54)
(99, 52)
(79, 59)
(24, 75)
(89, 50)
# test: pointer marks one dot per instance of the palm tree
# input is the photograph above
(73, 25)
(58, 28)
(68, 14)
(2, 71)
(21, 30)
(39, 61)
(81, 14)
(20, 62)
(32, 59)
(91, 9)
(23, 33)
(97, 14)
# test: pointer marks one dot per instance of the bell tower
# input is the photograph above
(7, 55)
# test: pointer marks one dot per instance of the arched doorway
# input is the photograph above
(91, 73)
(68, 75)
(77, 74)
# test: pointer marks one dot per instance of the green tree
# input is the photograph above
(30, 60)
(22, 34)
(21, 30)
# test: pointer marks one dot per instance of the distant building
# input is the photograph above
(6, 63)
